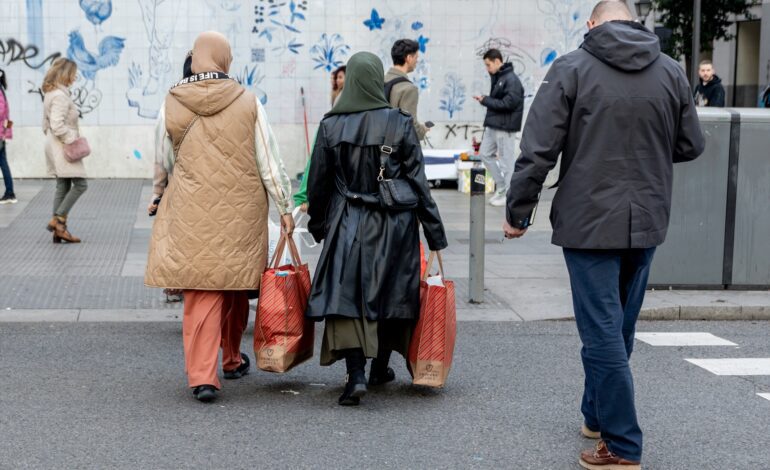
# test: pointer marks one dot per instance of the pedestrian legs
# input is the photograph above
(488, 152)
(506, 157)
(68, 191)
(212, 319)
(6, 170)
(606, 314)
(236, 317)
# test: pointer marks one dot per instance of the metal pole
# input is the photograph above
(478, 213)
(695, 60)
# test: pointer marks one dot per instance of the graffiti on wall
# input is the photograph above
(12, 51)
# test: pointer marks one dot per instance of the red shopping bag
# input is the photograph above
(433, 341)
(423, 263)
(283, 337)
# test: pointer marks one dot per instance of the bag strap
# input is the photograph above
(278, 254)
(389, 85)
(187, 129)
(433, 255)
(387, 146)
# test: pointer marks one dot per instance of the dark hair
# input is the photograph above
(341, 68)
(3, 80)
(493, 55)
(403, 48)
(706, 62)
(187, 68)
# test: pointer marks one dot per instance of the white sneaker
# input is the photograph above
(498, 200)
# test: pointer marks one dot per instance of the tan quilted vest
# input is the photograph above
(211, 229)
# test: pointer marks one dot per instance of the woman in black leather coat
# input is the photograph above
(366, 285)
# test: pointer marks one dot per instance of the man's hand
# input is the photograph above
(511, 232)
(287, 224)
(303, 207)
(479, 98)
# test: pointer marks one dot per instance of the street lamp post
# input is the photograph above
(643, 8)
(696, 11)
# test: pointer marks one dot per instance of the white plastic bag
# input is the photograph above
(300, 233)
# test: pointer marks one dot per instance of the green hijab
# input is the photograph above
(364, 85)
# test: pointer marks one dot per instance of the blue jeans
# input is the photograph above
(608, 289)
(7, 178)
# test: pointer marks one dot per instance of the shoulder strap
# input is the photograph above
(389, 85)
(187, 129)
(387, 146)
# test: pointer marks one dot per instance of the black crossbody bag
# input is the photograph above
(394, 194)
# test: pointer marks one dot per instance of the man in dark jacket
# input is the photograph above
(709, 91)
(620, 113)
(505, 106)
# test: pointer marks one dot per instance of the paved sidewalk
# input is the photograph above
(102, 278)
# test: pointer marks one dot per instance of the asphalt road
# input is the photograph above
(107, 395)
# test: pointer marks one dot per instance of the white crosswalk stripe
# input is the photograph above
(734, 366)
(682, 339)
(766, 396)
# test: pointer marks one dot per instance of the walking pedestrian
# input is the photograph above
(6, 133)
(505, 107)
(338, 83)
(60, 125)
(399, 90)
(366, 285)
(709, 92)
(210, 235)
(620, 113)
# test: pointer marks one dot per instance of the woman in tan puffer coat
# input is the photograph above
(210, 235)
(60, 124)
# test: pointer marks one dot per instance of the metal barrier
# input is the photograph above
(719, 235)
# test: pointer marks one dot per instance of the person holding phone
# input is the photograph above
(399, 90)
(6, 133)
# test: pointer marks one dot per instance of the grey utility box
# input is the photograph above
(719, 234)
(751, 252)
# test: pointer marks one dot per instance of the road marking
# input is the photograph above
(734, 366)
(766, 396)
(682, 339)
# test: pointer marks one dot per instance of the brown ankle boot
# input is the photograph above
(52, 224)
(62, 234)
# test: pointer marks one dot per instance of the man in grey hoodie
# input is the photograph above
(620, 113)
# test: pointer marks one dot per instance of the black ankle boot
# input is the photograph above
(355, 386)
(380, 373)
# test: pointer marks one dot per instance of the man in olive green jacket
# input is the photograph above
(399, 90)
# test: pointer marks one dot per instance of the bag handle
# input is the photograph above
(278, 254)
(433, 255)
(385, 149)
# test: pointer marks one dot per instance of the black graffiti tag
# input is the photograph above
(452, 130)
(12, 51)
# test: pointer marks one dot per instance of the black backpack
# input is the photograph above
(389, 85)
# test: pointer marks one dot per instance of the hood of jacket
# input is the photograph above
(715, 80)
(506, 68)
(624, 45)
(208, 97)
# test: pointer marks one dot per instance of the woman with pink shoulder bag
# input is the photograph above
(64, 147)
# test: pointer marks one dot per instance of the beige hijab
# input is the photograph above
(211, 53)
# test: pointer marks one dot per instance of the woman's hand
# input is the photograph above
(287, 224)
(303, 207)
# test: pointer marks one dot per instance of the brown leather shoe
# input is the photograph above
(600, 458)
(62, 234)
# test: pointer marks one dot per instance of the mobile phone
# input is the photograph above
(155, 202)
(429, 124)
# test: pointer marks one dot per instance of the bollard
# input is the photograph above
(478, 213)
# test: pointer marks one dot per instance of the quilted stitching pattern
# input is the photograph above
(211, 228)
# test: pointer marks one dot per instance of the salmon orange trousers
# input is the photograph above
(212, 319)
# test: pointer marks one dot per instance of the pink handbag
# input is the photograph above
(77, 150)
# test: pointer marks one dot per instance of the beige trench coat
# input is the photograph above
(60, 124)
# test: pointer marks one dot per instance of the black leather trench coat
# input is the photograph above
(370, 262)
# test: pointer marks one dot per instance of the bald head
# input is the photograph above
(609, 10)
